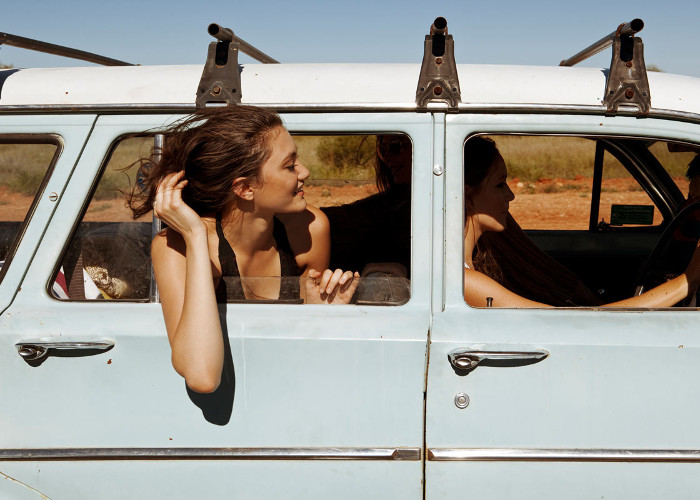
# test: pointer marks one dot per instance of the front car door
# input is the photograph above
(589, 403)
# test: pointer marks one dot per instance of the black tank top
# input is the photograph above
(230, 289)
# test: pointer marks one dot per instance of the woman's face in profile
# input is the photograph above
(282, 175)
(490, 200)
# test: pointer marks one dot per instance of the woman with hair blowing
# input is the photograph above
(229, 186)
(487, 197)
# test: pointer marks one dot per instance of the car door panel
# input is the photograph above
(612, 403)
(320, 399)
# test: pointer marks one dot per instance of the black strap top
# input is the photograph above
(230, 288)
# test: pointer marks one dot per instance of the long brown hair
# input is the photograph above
(479, 155)
(214, 146)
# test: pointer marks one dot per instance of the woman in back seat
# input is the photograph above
(230, 188)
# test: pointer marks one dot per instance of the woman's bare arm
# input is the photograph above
(478, 286)
(183, 271)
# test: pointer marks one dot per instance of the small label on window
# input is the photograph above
(631, 214)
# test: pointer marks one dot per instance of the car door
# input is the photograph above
(318, 401)
(563, 403)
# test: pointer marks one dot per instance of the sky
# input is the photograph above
(154, 32)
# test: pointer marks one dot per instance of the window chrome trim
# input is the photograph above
(559, 455)
(97, 454)
(506, 108)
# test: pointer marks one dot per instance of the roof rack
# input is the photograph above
(221, 78)
(58, 50)
(438, 80)
(627, 83)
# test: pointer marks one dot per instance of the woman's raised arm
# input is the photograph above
(183, 271)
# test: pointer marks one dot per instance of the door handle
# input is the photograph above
(32, 350)
(466, 359)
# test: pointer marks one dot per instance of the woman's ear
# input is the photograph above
(242, 189)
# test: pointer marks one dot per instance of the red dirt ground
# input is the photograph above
(545, 204)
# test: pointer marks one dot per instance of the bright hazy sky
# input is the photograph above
(500, 32)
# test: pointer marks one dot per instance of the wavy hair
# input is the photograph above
(214, 146)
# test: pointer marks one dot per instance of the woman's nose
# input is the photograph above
(302, 171)
(510, 195)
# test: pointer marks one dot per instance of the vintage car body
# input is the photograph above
(353, 401)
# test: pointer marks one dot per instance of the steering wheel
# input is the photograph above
(673, 251)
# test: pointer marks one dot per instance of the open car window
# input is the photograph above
(595, 219)
(361, 182)
(363, 185)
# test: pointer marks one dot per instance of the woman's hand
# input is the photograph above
(169, 207)
(330, 287)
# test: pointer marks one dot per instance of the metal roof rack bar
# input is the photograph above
(221, 77)
(58, 50)
(438, 80)
(226, 35)
(627, 84)
(629, 29)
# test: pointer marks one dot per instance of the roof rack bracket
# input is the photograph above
(627, 83)
(438, 80)
(221, 77)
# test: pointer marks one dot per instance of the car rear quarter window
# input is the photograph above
(24, 164)
(108, 256)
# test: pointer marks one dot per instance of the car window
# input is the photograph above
(108, 257)
(24, 163)
(361, 182)
(623, 201)
(552, 177)
(675, 159)
(593, 219)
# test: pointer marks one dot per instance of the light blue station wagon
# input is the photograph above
(414, 396)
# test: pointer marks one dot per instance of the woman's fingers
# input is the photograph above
(169, 193)
(333, 280)
(325, 279)
(331, 287)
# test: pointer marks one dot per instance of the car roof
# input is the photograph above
(334, 86)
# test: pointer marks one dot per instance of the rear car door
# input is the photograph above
(318, 401)
(567, 403)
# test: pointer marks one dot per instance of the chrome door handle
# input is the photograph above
(31, 350)
(465, 359)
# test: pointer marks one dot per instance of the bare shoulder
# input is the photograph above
(311, 219)
(304, 227)
(309, 236)
(167, 244)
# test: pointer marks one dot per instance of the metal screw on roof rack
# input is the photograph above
(438, 80)
(627, 83)
(58, 50)
(221, 77)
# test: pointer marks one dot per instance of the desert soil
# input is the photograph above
(545, 204)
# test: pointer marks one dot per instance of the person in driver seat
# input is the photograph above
(487, 197)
